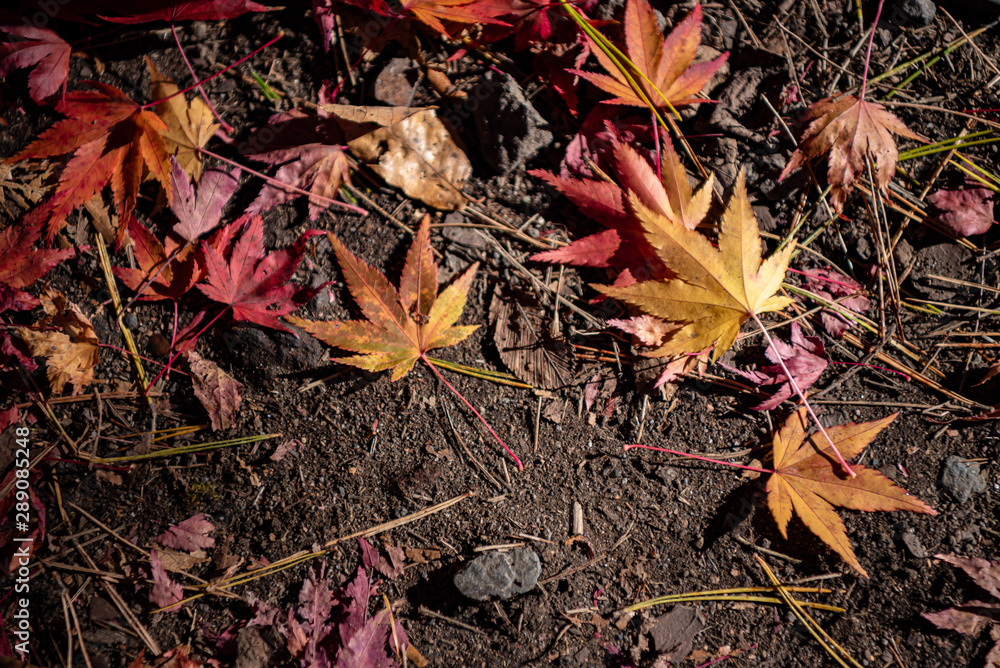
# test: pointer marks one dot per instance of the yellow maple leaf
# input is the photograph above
(804, 481)
(66, 339)
(189, 124)
(715, 290)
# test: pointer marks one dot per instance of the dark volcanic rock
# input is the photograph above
(510, 130)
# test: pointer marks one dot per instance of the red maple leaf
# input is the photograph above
(194, 10)
(254, 283)
(21, 264)
(42, 49)
(114, 141)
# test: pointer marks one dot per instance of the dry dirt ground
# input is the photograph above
(373, 451)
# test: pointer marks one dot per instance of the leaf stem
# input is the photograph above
(688, 455)
(434, 370)
(868, 55)
(226, 126)
(805, 402)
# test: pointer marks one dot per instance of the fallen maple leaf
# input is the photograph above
(189, 124)
(624, 245)
(217, 391)
(715, 290)
(392, 567)
(113, 140)
(435, 13)
(833, 286)
(970, 618)
(850, 130)
(173, 11)
(189, 535)
(668, 76)
(647, 329)
(164, 272)
(964, 212)
(166, 593)
(254, 284)
(200, 210)
(42, 49)
(403, 325)
(66, 339)
(804, 358)
(411, 148)
(805, 483)
(21, 264)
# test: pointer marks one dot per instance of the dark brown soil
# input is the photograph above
(373, 450)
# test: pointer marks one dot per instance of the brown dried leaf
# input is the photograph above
(521, 334)
(66, 339)
(217, 391)
(415, 152)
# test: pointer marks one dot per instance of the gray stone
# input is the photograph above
(961, 479)
(499, 575)
(912, 13)
(913, 545)
(510, 130)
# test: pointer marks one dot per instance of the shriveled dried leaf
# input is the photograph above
(66, 339)
(833, 286)
(416, 153)
(804, 357)
(189, 124)
(526, 346)
(217, 391)
(805, 482)
(715, 290)
(851, 130)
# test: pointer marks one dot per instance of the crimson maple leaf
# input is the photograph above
(21, 264)
(114, 141)
(194, 10)
(42, 49)
(254, 283)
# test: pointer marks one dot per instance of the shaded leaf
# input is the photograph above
(833, 286)
(526, 346)
(21, 264)
(44, 51)
(199, 210)
(172, 11)
(166, 592)
(805, 482)
(217, 391)
(805, 358)
(189, 535)
(162, 280)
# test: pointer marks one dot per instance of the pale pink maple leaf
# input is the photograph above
(189, 535)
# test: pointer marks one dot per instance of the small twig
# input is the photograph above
(427, 612)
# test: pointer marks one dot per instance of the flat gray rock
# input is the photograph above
(499, 575)
(961, 479)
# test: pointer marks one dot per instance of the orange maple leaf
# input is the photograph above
(402, 325)
(433, 12)
(850, 130)
(666, 63)
(804, 481)
(114, 141)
